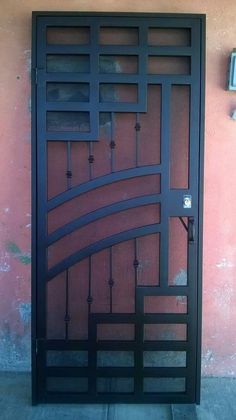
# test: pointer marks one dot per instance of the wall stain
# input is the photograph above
(224, 263)
(14, 349)
(29, 105)
(25, 312)
(23, 257)
(4, 263)
(27, 54)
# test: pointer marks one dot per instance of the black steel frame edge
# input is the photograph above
(34, 217)
(200, 209)
(36, 14)
(121, 14)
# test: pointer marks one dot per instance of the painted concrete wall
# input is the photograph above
(219, 271)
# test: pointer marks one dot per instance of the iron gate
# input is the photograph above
(117, 166)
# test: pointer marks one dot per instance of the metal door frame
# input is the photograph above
(35, 229)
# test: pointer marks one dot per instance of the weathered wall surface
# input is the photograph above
(219, 271)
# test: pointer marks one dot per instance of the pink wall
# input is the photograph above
(219, 254)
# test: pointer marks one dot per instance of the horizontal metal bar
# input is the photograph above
(67, 371)
(78, 345)
(68, 106)
(172, 318)
(159, 20)
(80, 18)
(101, 181)
(111, 371)
(165, 372)
(132, 318)
(115, 398)
(173, 79)
(175, 51)
(119, 50)
(118, 78)
(138, 106)
(163, 291)
(114, 78)
(51, 344)
(166, 345)
(115, 371)
(126, 318)
(71, 135)
(115, 345)
(100, 213)
(70, 77)
(146, 345)
(67, 49)
(107, 78)
(118, 371)
(86, 106)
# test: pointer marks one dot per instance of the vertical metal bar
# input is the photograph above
(194, 356)
(41, 374)
(138, 353)
(143, 64)
(200, 203)
(136, 261)
(90, 159)
(192, 312)
(137, 147)
(92, 356)
(67, 315)
(112, 143)
(93, 49)
(111, 280)
(42, 257)
(68, 171)
(34, 218)
(94, 100)
(41, 198)
(89, 298)
(194, 112)
(165, 181)
(92, 332)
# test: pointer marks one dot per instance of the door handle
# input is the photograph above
(191, 229)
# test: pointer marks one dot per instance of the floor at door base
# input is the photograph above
(218, 402)
(15, 403)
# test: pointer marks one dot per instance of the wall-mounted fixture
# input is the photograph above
(232, 71)
(233, 116)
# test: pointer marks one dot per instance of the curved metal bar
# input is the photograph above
(100, 245)
(101, 181)
(183, 223)
(100, 213)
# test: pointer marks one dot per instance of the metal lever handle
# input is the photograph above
(191, 229)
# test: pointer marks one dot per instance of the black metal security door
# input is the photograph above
(117, 167)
